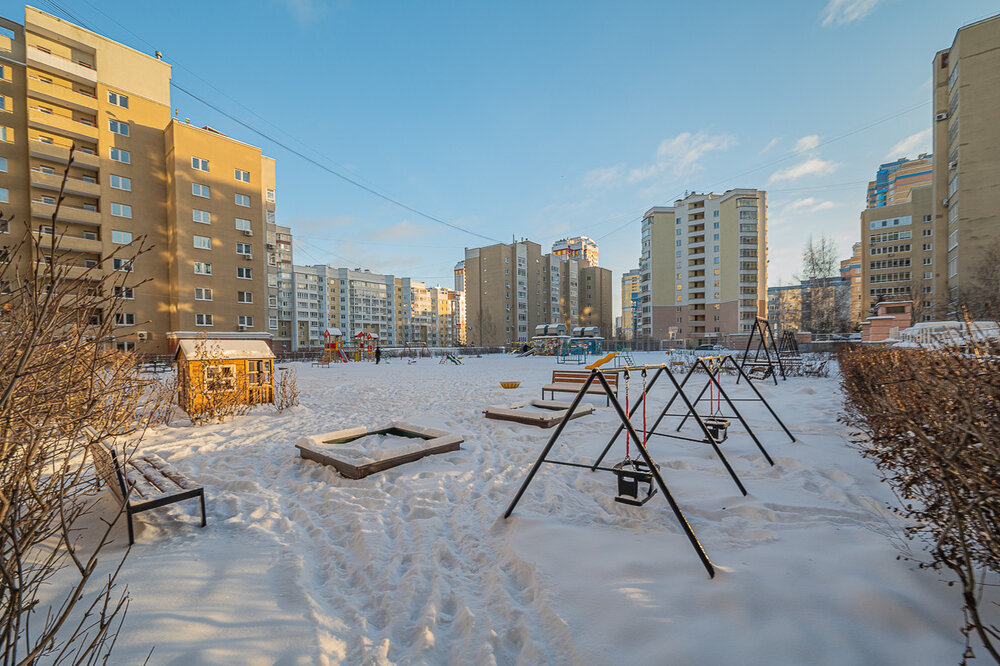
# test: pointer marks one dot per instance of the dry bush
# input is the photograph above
(59, 372)
(930, 420)
(286, 390)
(215, 396)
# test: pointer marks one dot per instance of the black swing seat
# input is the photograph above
(631, 474)
(717, 427)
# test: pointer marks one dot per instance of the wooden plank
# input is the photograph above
(518, 415)
(138, 484)
(152, 474)
(171, 472)
(442, 444)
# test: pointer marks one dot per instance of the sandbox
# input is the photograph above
(547, 412)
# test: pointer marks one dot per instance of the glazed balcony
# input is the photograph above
(66, 213)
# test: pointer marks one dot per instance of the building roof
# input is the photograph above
(202, 350)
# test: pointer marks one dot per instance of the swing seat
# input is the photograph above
(631, 475)
(717, 427)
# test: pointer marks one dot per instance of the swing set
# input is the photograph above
(638, 477)
(762, 368)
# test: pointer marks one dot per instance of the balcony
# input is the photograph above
(60, 154)
(66, 213)
(70, 272)
(61, 95)
(71, 69)
(72, 243)
(50, 122)
(52, 182)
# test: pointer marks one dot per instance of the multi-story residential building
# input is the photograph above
(966, 138)
(784, 308)
(630, 286)
(899, 260)
(510, 289)
(198, 197)
(850, 270)
(460, 276)
(703, 270)
(280, 283)
(894, 180)
(581, 248)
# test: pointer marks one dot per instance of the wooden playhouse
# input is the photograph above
(208, 370)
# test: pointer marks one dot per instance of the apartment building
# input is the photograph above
(966, 138)
(198, 198)
(630, 286)
(581, 248)
(280, 283)
(511, 288)
(784, 308)
(894, 180)
(703, 269)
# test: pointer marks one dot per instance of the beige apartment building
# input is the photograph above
(966, 133)
(850, 270)
(630, 286)
(581, 248)
(197, 198)
(703, 270)
(512, 288)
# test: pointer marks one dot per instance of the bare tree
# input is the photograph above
(981, 296)
(826, 301)
(60, 371)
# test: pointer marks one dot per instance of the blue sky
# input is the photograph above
(547, 119)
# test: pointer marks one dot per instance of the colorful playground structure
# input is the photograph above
(552, 340)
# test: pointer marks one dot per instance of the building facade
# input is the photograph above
(966, 136)
(512, 288)
(704, 266)
(581, 248)
(850, 270)
(197, 199)
(630, 286)
(894, 180)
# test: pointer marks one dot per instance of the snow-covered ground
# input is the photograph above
(299, 565)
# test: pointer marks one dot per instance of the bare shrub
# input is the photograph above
(286, 390)
(930, 420)
(59, 372)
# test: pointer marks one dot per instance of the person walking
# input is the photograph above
(378, 355)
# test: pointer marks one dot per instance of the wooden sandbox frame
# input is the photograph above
(515, 412)
(436, 441)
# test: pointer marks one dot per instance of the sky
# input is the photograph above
(542, 120)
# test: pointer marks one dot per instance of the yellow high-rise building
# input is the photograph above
(203, 202)
(630, 286)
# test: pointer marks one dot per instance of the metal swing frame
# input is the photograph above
(598, 374)
(762, 329)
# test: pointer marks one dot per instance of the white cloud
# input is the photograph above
(605, 177)
(811, 167)
(806, 143)
(912, 145)
(846, 11)
(770, 144)
(680, 154)
(401, 231)
(807, 205)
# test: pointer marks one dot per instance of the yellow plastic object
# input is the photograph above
(510, 385)
(597, 364)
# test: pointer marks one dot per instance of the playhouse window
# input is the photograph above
(220, 378)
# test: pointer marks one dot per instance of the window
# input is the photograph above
(927, 247)
(928, 261)
(124, 293)
(202, 294)
(202, 216)
(199, 164)
(202, 268)
(679, 243)
(244, 297)
(121, 210)
(119, 155)
(272, 323)
(270, 196)
(124, 319)
(203, 242)
(927, 218)
(121, 183)
(47, 170)
(206, 320)
(121, 237)
(243, 200)
(243, 225)
(715, 225)
(242, 176)
(48, 200)
(244, 273)
(118, 127)
(124, 346)
(246, 320)
(200, 190)
(118, 99)
(4, 195)
(3, 164)
(928, 232)
(244, 248)
(123, 265)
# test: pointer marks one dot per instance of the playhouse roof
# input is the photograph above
(201, 350)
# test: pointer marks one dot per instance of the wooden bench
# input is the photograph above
(570, 381)
(143, 483)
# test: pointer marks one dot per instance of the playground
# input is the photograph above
(417, 564)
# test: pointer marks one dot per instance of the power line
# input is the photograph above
(353, 181)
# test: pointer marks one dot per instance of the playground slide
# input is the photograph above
(530, 352)
(342, 357)
(456, 361)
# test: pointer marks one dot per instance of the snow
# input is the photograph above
(211, 348)
(370, 448)
(416, 565)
